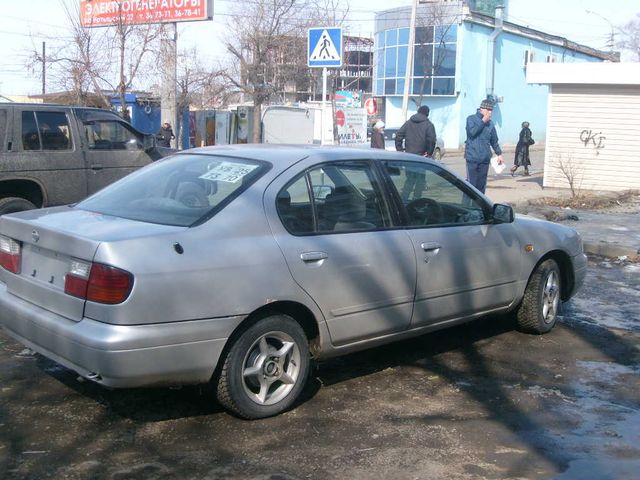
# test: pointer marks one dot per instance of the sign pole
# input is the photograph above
(324, 102)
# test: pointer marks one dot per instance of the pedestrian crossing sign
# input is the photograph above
(325, 47)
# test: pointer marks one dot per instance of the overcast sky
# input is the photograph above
(25, 24)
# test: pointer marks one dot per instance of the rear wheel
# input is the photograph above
(437, 155)
(14, 204)
(538, 311)
(266, 368)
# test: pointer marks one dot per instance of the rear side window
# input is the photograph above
(111, 135)
(337, 197)
(45, 131)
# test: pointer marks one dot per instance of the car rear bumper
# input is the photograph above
(120, 355)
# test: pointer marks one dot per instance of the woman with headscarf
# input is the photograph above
(377, 135)
(522, 150)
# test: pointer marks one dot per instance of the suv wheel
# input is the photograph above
(14, 204)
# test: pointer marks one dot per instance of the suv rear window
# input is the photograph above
(45, 131)
(180, 190)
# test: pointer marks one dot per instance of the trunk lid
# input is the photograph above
(50, 239)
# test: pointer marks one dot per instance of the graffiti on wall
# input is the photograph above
(592, 139)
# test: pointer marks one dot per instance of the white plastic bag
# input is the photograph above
(497, 167)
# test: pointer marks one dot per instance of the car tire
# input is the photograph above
(265, 369)
(538, 311)
(14, 204)
(437, 155)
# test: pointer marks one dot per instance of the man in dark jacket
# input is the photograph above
(417, 135)
(481, 138)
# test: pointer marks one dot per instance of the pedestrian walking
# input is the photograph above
(417, 135)
(481, 138)
(165, 135)
(377, 135)
(521, 158)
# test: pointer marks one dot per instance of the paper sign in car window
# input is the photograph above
(229, 172)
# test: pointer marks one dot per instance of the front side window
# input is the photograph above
(333, 198)
(45, 131)
(432, 196)
(180, 190)
(111, 135)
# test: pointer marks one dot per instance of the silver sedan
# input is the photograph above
(237, 265)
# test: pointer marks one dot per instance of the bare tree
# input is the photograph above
(199, 85)
(572, 172)
(267, 41)
(630, 34)
(99, 59)
(132, 44)
(256, 33)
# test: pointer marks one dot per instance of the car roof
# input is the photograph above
(283, 156)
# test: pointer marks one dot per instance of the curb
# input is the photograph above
(611, 250)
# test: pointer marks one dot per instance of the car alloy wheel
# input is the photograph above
(550, 297)
(265, 369)
(271, 368)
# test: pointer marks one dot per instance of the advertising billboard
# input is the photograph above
(103, 13)
(352, 126)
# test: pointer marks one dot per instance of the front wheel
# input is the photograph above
(538, 311)
(266, 368)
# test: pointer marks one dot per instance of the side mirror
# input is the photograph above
(502, 213)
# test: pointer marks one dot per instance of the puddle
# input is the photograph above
(607, 437)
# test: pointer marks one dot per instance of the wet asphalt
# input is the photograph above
(479, 401)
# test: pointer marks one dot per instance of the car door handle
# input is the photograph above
(96, 166)
(430, 246)
(313, 256)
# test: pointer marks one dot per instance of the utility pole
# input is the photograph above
(168, 106)
(409, 70)
(44, 69)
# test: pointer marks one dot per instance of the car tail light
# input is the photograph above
(10, 254)
(97, 282)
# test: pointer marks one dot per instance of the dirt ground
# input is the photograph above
(480, 401)
(627, 201)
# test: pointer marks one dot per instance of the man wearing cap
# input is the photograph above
(417, 135)
(481, 138)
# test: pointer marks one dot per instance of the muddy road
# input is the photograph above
(480, 401)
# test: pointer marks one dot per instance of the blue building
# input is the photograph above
(461, 57)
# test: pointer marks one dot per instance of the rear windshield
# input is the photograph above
(180, 190)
